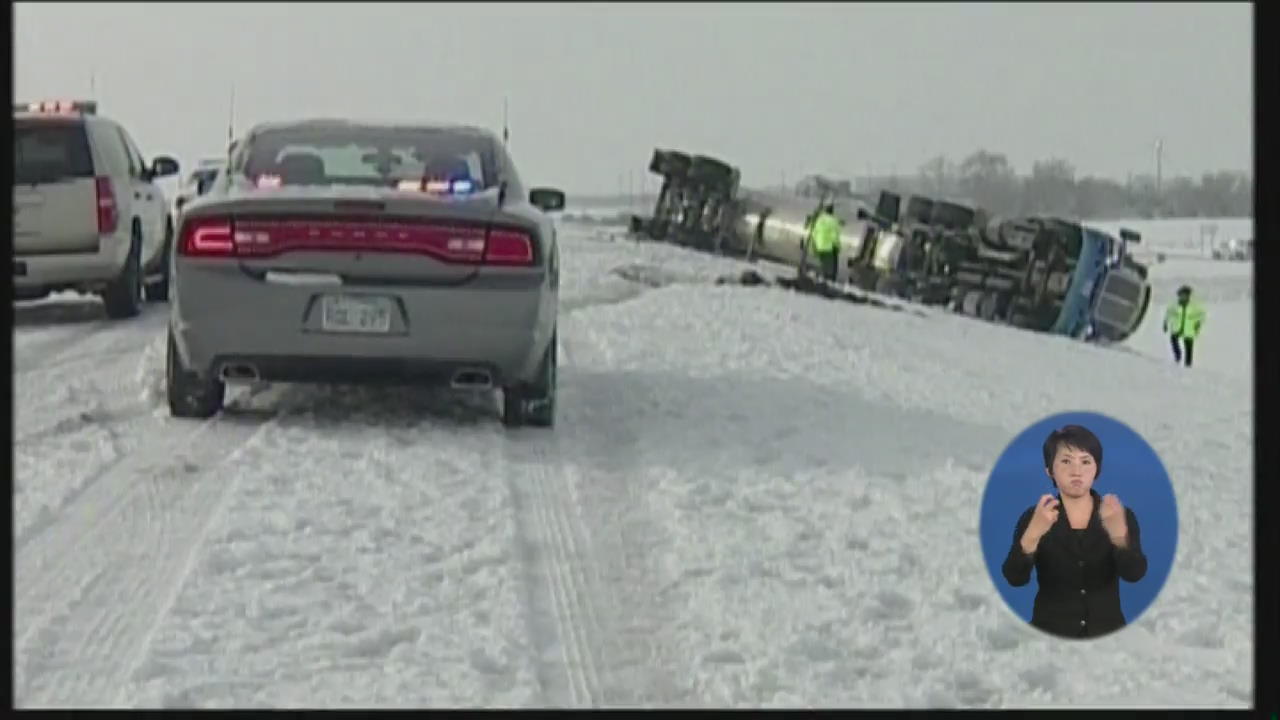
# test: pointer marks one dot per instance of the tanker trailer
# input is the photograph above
(702, 205)
(776, 227)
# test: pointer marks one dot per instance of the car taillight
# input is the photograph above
(207, 237)
(108, 212)
(508, 247)
(269, 238)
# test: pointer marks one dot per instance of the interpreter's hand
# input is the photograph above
(1045, 515)
(1111, 513)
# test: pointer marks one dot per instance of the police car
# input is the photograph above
(87, 213)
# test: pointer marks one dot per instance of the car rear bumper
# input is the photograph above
(352, 370)
(222, 317)
(71, 269)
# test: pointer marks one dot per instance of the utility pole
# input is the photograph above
(93, 85)
(1159, 168)
(506, 128)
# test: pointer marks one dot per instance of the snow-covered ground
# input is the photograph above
(752, 498)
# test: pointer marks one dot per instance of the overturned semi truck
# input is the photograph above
(1045, 274)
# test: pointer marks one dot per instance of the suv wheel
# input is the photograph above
(123, 297)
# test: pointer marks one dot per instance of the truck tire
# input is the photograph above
(711, 172)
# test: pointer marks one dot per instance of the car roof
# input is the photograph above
(338, 124)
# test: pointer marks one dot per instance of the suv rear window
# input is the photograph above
(370, 156)
(50, 150)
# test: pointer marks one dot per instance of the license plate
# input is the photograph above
(345, 313)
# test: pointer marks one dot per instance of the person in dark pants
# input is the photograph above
(1182, 321)
(1079, 543)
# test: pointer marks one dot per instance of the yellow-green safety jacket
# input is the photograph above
(1184, 321)
(824, 235)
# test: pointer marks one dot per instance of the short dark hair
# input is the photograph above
(1075, 436)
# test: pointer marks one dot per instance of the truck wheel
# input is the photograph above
(123, 297)
(190, 396)
(988, 306)
(534, 403)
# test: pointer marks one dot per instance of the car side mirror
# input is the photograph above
(547, 199)
(164, 166)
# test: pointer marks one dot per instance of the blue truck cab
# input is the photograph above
(1109, 292)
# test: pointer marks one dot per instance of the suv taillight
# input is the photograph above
(108, 211)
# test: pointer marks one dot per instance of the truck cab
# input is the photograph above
(1109, 293)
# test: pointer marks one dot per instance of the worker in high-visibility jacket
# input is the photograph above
(824, 239)
(1183, 322)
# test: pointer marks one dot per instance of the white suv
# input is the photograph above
(87, 214)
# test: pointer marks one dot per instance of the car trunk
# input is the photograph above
(54, 193)
(362, 236)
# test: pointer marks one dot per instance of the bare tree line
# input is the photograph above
(986, 179)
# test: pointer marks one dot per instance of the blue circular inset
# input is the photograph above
(1131, 470)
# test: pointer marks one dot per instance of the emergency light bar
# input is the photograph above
(84, 107)
(437, 187)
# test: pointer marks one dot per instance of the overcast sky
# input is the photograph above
(775, 89)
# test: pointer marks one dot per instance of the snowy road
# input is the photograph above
(751, 499)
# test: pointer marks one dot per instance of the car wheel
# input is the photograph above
(158, 291)
(190, 396)
(534, 403)
(123, 297)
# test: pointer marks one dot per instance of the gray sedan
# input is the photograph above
(344, 252)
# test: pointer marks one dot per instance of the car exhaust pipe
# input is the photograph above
(472, 380)
(239, 371)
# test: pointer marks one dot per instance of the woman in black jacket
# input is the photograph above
(1080, 544)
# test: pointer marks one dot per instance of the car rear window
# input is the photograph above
(48, 151)
(370, 156)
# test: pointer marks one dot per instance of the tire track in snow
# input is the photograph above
(93, 586)
(59, 383)
(114, 399)
(33, 355)
(626, 541)
(561, 599)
